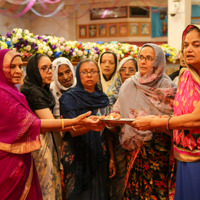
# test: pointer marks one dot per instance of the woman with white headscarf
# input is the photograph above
(64, 79)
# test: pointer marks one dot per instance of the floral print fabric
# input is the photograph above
(151, 175)
(187, 142)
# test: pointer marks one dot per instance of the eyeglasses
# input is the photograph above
(93, 73)
(46, 69)
(130, 70)
(147, 58)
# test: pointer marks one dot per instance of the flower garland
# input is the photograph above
(27, 43)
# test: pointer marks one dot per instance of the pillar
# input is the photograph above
(179, 16)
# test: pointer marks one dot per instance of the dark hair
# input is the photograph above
(89, 60)
(115, 58)
(193, 28)
(85, 60)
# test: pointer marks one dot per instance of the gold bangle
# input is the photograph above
(63, 124)
(74, 129)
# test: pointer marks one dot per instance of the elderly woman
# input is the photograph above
(186, 121)
(127, 68)
(63, 79)
(108, 69)
(150, 91)
(20, 133)
(84, 156)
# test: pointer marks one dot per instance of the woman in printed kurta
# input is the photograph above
(150, 91)
(186, 120)
(40, 99)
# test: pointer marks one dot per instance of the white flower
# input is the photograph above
(8, 39)
(76, 49)
(14, 40)
(50, 53)
(26, 31)
(74, 54)
(27, 37)
(19, 30)
(28, 47)
(79, 53)
(45, 49)
(53, 41)
(3, 38)
(19, 35)
(84, 57)
(122, 55)
(85, 53)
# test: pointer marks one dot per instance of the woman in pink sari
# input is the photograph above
(19, 133)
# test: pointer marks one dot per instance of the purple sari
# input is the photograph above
(19, 135)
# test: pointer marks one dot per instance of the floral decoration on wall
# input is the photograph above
(27, 43)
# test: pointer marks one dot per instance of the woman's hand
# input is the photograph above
(98, 126)
(83, 120)
(143, 123)
(112, 169)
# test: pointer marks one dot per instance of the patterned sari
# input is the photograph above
(19, 136)
(150, 173)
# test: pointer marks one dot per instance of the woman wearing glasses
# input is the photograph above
(40, 99)
(127, 68)
(84, 150)
(150, 170)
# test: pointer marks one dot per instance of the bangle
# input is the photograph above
(168, 122)
(63, 124)
(74, 129)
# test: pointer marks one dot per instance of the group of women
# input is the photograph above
(132, 160)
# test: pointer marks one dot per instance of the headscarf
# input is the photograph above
(113, 90)
(194, 74)
(38, 97)
(19, 126)
(106, 84)
(87, 148)
(56, 88)
(82, 99)
(151, 94)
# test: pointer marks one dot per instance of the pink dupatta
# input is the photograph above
(19, 135)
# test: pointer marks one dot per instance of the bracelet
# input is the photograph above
(168, 122)
(63, 123)
(74, 129)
